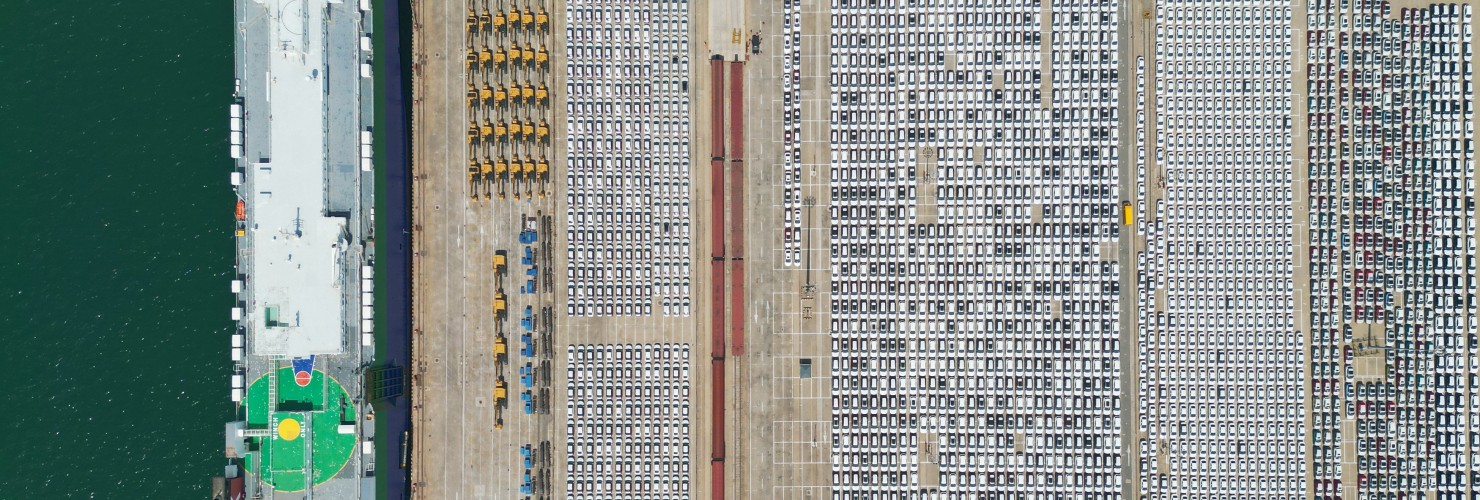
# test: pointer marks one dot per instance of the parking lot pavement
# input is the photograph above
(883, 241)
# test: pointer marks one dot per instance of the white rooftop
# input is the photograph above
(297, 259)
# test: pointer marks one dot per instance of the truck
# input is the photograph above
(530, 233)
(526, 375)
(527, 345)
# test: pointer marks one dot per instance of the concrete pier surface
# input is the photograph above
(780, 416)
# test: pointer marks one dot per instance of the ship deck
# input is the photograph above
(307, 181)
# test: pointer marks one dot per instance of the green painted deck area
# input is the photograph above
(282, 458)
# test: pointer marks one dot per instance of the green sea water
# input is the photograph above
(115, 248)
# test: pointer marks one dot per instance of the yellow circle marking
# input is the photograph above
(288, 429)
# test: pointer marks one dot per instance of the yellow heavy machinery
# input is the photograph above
(472, 21)
(501, 131)
(484, 56)
(527, 17)
(513, 93)
(516, 177)
(512, 53)
(529, 174)
(472, 132)
(542, 94)
(501, 172)
(542, 132)
(542, 170)
(498, 20)
(483, 20)
(472, 95)
(473, 180)
(501, 96)
(500, 305)
(513, 17)
(528, 167)
(527, 92)
(500, 396)
(527, 54)
(500, 264)
(542, 19)
(542, 58)
(516, 130)
(485, 94)
(501, 168)
(472, 60)
(486, 169)
(528, 130)
(499, 58)
(486, 131)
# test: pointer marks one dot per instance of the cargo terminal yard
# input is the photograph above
(812, 249)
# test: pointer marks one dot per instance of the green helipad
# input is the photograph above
(303, 429)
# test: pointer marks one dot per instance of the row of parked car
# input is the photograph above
(1216, 301)
(627, 421)
(967, 207)
(628, 168)
(1391, 232)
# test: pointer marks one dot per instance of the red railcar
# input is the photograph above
(737, 110)
(717, 107)
(717, 309)
(737, 210)
(717, 207)
(718, 412)
(717, 481)
(737, 306)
